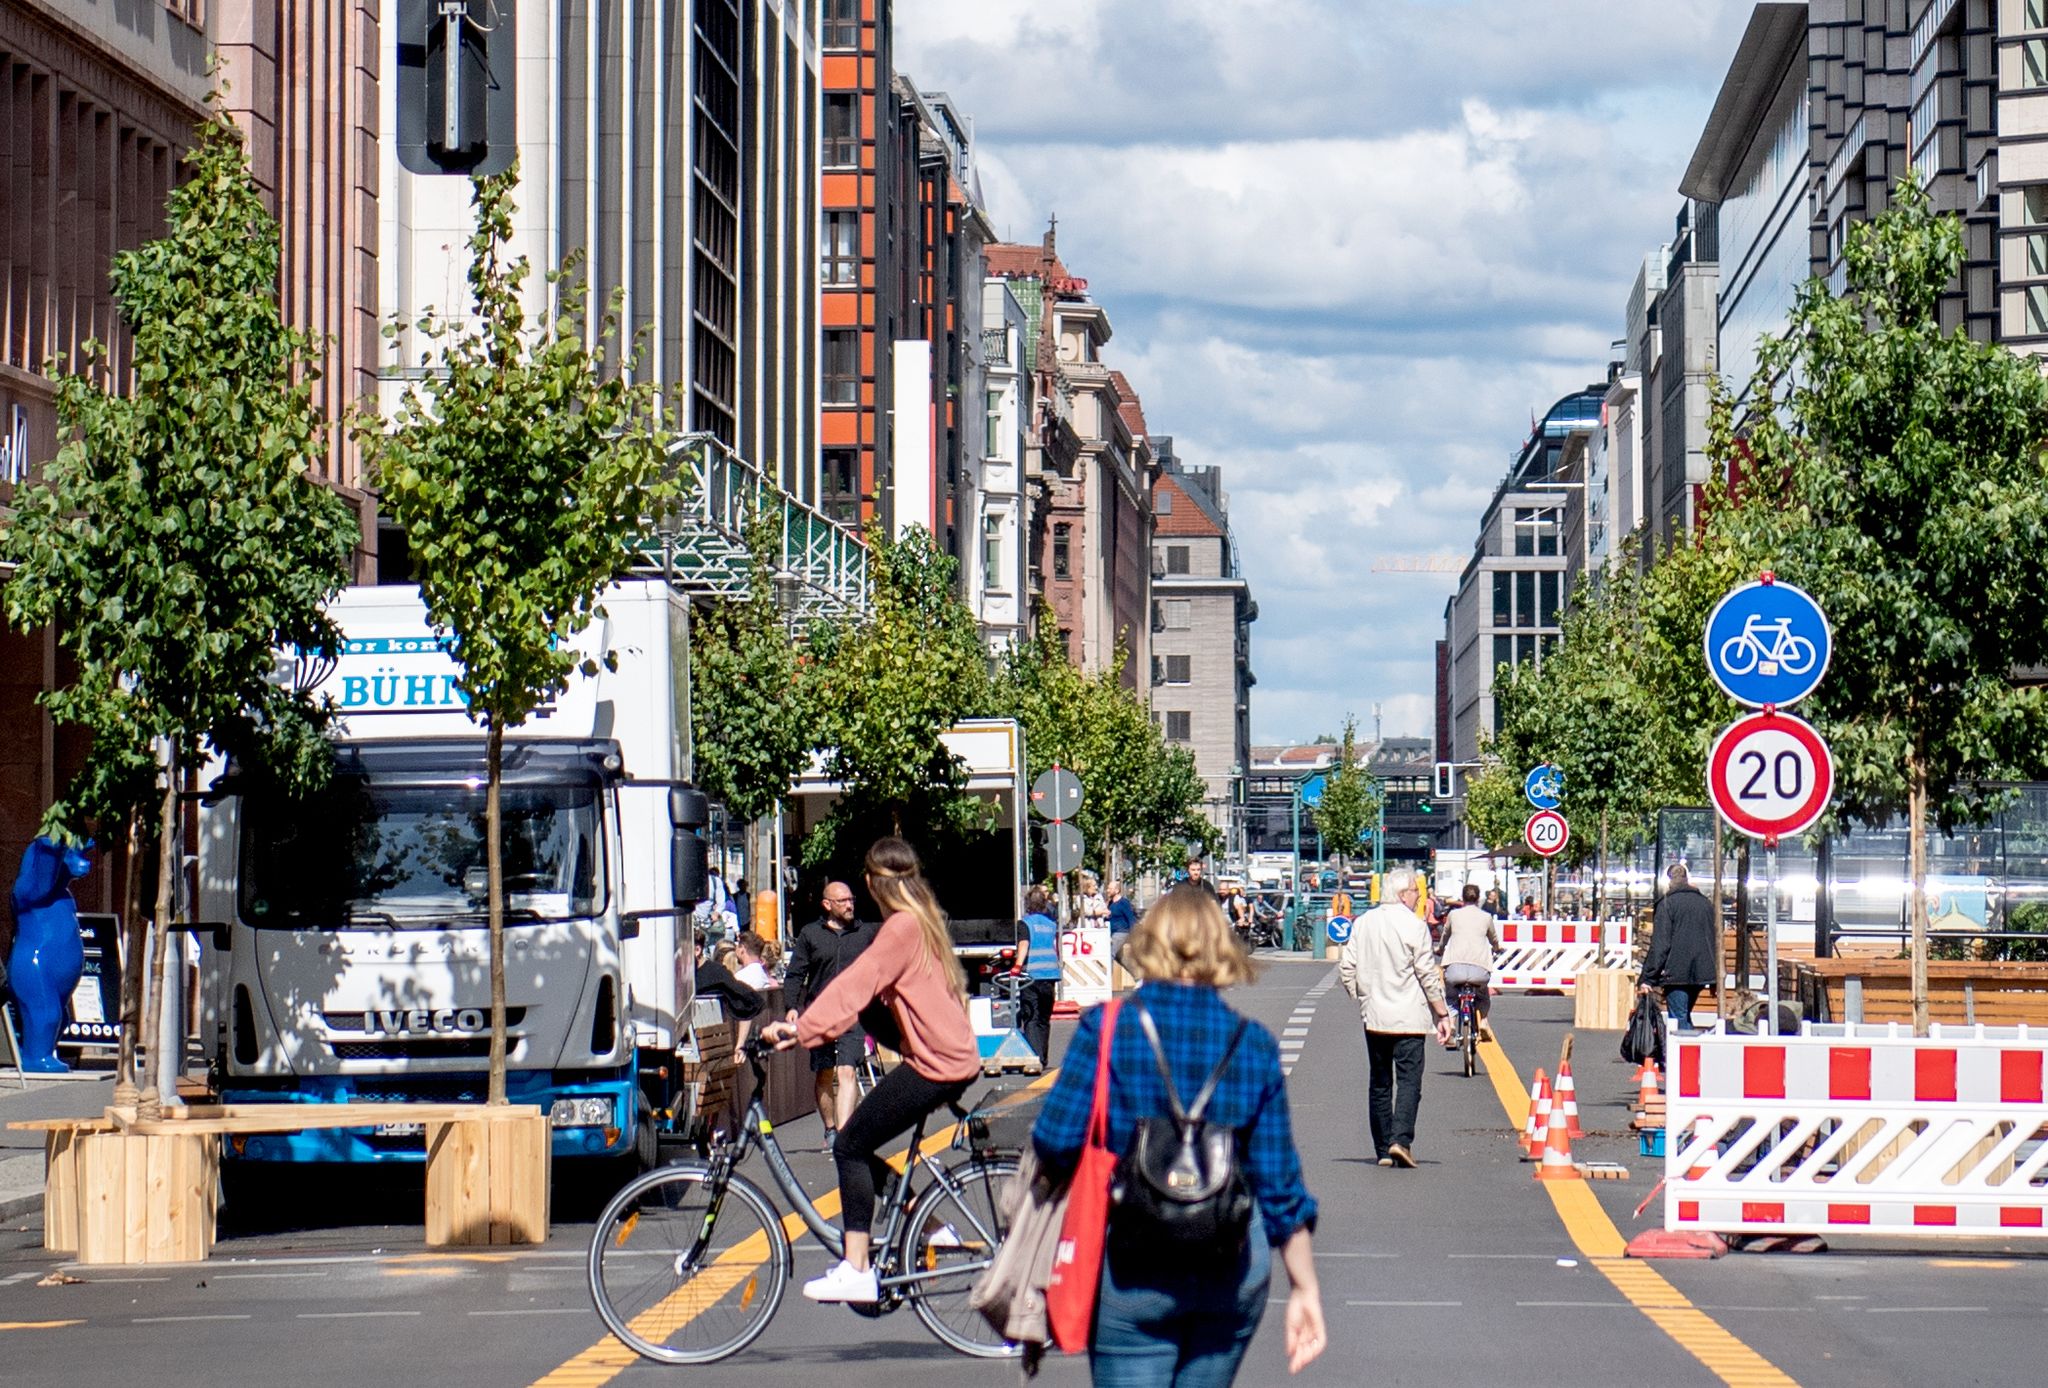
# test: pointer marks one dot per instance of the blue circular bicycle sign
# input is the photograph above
(1768, 643)
(1544, 787)
(1338, 928)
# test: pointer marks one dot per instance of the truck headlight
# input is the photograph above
(581, 1113)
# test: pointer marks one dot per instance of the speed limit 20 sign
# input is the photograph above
(1546, 833)
(1770, 775)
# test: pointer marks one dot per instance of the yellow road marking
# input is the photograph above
(423, 1272)
(609, 1357)
(1601, 1244)
(37, 1325)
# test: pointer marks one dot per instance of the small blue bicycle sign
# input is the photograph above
(1544, 786)
(1338, 928)
(1767, 643)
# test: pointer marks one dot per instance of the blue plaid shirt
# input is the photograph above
(1194, 1026)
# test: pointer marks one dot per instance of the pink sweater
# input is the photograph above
(938, 1040)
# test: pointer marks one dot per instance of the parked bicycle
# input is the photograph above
(689, 1262)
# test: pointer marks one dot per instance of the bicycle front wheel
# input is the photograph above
(952, 1235)
(685, 1271)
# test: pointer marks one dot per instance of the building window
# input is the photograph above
(2034, 205)
(992, 444)
(839, 488)
(842, 366)
(2037, 14)
(1179, 614)
(2037, 254)
(842, 130)
(992, 552)
(1503, 603)
(842, 247)
(1176, 559)
(1525, 599)
(1162, 502)
(2034, 63)
(1179, 726)
(1062, 550)
(1546, 610)
(1180, 669)
(2037, 309)
(1535, 530)
(842, 24)
(1503, 651)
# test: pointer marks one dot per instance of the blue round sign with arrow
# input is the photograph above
(1768, 643)
(1544, 787)
(1338, 928)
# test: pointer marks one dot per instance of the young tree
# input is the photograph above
(750, 692)
(521, 470)
(894, 680)
(1898, 471)
(180, 539)
(1351, 798)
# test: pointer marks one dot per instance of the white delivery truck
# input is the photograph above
(349, 951)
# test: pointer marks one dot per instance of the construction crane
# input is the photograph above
(1420, 564)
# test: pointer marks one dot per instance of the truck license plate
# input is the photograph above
(401, 1129)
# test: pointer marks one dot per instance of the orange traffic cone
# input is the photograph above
(1568, 1100)
(1649, 1084)
(1539, 1117)
(1557, 1155)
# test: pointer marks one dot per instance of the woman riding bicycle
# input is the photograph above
(1471, 936)
(910, 970)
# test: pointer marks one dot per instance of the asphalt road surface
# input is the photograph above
(1462, 1271)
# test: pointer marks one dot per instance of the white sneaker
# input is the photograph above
(945, 1236)
(843, 1283)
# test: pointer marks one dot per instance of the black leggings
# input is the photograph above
(901, 1098)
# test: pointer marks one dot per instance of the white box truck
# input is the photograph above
(349, 955)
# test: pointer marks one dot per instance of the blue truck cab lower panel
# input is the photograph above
(537, 1087)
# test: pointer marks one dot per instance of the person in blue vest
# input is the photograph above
(1038, 959)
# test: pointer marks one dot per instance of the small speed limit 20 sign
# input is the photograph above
(1546, 833)
(1770, 775)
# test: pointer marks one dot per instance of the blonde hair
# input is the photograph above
(1088, 883)
(1185, 937)
(896, 880)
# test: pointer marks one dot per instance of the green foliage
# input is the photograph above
(1140, 797)
(1350, 803)
(892, 681)
(1898, 475)
(751, 692)
(520, 470)
(180, 537)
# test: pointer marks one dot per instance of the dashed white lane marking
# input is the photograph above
(544, 1311)
(1404, 1303)
(267, 1276)
(12, 1278)
(173, 1320)
(1915, 1310)
(350, 1315)
(1293, 1036)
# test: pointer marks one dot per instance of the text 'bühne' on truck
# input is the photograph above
(350, 955)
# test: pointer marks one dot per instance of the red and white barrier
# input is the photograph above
(1861, 1130)
(1539, 956)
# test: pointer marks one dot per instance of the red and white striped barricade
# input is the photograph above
(1537, 956)
(1859, 1129)
(1084, 969)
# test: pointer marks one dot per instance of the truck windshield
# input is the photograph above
(363, 854)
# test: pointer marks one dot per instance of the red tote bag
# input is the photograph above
(1077, 1262)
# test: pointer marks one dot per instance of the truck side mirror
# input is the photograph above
(689, 863)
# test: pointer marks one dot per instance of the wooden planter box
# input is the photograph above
(1996, 993)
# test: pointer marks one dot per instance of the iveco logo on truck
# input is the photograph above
(447, 1019)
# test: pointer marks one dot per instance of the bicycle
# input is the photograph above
(1793, 655)
(1465, 998)
(690, 1262)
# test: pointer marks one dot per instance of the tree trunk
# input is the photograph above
(133, 935)
(1742, 943)
(495, 870)
(149, 1104)
(1600, 877)
(1916, 826)
(1720, 964)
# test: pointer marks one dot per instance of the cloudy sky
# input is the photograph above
(1349, 248)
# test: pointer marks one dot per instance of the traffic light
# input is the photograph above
(1425, 807)
(455, 87)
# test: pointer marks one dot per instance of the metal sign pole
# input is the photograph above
(1770, 1027)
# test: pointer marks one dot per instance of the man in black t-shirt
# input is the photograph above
(824, 947)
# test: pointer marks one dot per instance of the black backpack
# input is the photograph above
(1179, 1187)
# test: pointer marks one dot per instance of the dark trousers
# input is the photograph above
(891, 1109)
(1034, 1013)
(1678, 999)
(1396, 1087)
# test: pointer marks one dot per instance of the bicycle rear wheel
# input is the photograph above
(1471, 1051)
(952, 1234)
(685, 1272)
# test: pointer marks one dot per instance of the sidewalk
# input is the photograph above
(21, 1154)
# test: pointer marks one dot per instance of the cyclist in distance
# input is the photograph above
(1471, 937)
(908, 991)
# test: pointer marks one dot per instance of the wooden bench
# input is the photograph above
(120, 1189)
(1994, 992)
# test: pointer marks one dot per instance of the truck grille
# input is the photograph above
(423, 1048)
(360, 1021)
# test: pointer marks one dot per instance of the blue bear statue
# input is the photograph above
(48, 955)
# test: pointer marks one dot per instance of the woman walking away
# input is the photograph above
(1174, 1321)
(912, 971)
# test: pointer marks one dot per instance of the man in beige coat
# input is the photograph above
(1388, 965)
